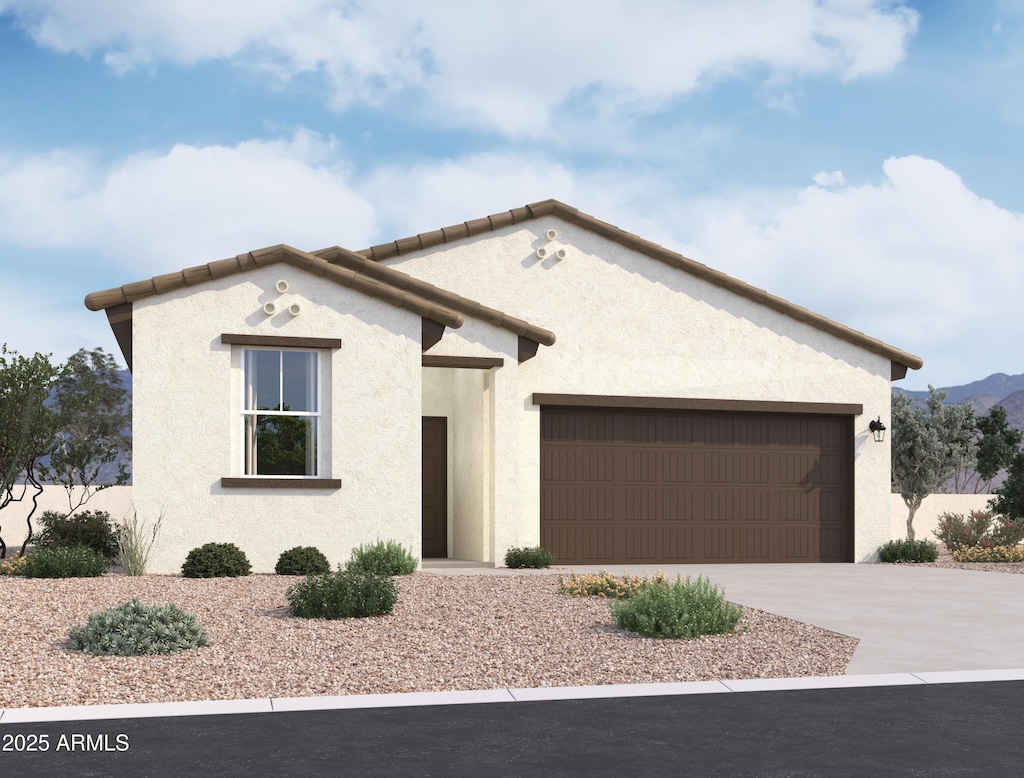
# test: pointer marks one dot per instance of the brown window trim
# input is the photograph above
(282, 341)
(695, 404)
(481, 363)
(257, 482)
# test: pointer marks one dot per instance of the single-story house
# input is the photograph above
(533, 377)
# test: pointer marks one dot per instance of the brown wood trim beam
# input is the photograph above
(527, 348)
(479, 363)
(897, 371)
(431, 333)
(281, 483)
(120, 318)
(695, 404)
(280, 340)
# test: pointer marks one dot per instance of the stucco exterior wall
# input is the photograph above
(627, 324)
(187, 425)
(926, 520)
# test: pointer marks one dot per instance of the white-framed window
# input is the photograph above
(281, 412)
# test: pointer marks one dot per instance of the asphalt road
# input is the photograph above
(948, 729)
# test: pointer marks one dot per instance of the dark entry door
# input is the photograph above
(435, 487)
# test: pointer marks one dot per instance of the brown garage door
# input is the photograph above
(647, 487)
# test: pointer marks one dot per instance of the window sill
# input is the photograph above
(280, 483)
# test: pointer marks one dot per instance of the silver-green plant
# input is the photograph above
(134, 629)
(134, 543)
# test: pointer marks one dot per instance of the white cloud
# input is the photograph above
(507, 66)
(835, 178)
(157, 213)
(917, 260)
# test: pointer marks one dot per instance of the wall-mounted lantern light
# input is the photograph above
(878, 430)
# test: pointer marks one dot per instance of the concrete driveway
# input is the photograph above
(908, 618)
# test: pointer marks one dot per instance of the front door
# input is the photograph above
(435, 487)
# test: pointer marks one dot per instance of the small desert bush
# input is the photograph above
(604, 585)
(216, 560)
(990, 554)
(980, 528)
(65, 562)
(680, 609)
(382, 558)
(134, 545)
(134, 629)
(342, 594)
(93, 530)
(302, 560)
(535, 558)
(909, 551)
(14, 565)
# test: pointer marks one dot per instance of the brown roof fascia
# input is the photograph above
(352, 278)
(575, 216)
(342, 258)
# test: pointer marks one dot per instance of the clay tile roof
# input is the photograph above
(398, 295)
(572, 215)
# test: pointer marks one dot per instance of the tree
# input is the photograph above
(928, 447)
(1009, 499)
(997, 447)
(90, 403)
(27, 428)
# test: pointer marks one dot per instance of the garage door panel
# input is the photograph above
(558, 464)
(743, 486)
(597, 505)
(596, 545)
(658, 504)
(676, 466)
(640, 466)
(597, 465)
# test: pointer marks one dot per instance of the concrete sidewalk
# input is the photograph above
(908, 618)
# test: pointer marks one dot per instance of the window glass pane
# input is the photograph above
(262, 380)
(280, 445)
(299, 379)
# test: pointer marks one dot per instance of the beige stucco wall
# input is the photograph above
(630, 325)
(115, 500)
(934, 505)
(187, 426)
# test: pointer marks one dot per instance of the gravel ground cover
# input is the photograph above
(446, 633)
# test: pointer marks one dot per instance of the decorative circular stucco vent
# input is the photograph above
(270, 309)
(282, 286)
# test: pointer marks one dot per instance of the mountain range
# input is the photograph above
(997, 389)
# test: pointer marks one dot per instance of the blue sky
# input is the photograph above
(860, 158)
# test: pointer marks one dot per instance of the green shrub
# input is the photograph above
(535, 558)
(909, 551)
(93, 530)
(604, 585)
(990, 554)
(135, 547)
(216, 560)
(982, 528)
(679, 609)
(65, 562)
(342, 594)
(134, 629)
(381, 558)
(302, 560)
